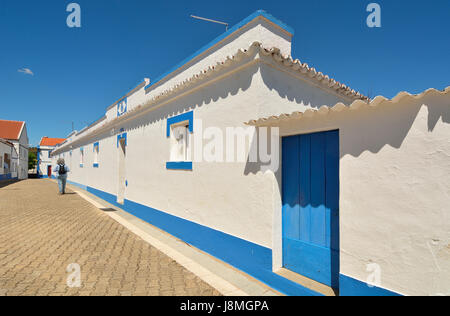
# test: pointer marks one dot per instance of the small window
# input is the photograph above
(96, 151)
(179, 130)
(81, 157)
(180, 146)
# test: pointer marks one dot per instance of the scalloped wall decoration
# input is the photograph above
(323, 110)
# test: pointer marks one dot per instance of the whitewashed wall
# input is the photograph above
(259, 30)
(14, 164)
(21, 155)
(231, 197)
(44, 159)
(234, 198)
(395, 191)
(4, 149)
(394, 166)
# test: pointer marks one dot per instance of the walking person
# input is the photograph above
(61, 170)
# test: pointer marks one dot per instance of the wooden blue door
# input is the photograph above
(310, 187)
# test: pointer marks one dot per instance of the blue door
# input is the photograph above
(311, 206)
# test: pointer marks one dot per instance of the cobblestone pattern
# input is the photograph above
(41, 233)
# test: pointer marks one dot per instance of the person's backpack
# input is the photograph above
(62, 170)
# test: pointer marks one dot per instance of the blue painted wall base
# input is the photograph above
(352, 287)
(4, 177)
(248, 257)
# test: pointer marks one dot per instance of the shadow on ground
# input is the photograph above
(5, 183)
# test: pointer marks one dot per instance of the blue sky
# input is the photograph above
(77, 73)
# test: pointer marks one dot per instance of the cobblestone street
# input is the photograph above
(42, 233)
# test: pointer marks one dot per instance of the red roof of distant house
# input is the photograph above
(10, 129)
(47, 141)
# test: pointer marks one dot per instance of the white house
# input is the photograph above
(44, 160)
(275, 168)
(15, 132)
(8, 156)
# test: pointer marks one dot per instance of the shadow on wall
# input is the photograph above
(220, 89)
(368, 128)
(297, 91)
(252, 167)
(373, 127)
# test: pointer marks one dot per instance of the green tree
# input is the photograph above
(32, 160)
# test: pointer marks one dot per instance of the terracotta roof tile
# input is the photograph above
(10, 129)
(47, 141)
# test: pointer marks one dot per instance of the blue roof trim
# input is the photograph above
(222, 37)
(276, 21)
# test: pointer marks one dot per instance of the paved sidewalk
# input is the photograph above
(41, 233)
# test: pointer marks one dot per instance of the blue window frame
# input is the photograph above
(181, 118)
(120, 137)
(122, 107)
(179, 165)
(186, 117)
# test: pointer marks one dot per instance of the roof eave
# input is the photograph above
(339, 107)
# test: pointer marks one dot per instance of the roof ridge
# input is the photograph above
(232, 30)
(1, 120)
(255, 47)
(51, 141)
(305, 69)
(275, 52)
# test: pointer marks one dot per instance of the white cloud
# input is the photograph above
(26, 71)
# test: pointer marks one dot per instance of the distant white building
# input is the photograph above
(275, 168)
(44, 161)
(8, 155)
(15, 132)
